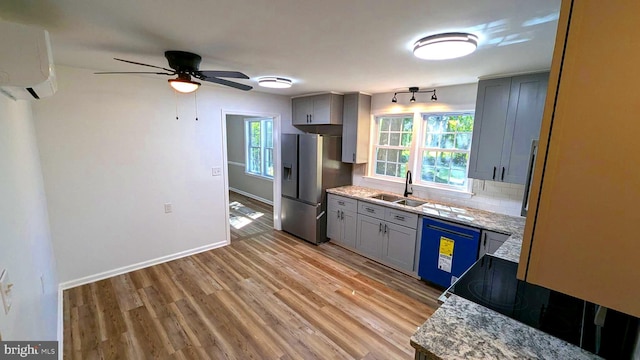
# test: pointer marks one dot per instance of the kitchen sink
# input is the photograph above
(410, 203)
(386, 197)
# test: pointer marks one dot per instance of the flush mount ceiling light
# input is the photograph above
(413, 91)
(445, 46)
(274, 82)
(184, 84)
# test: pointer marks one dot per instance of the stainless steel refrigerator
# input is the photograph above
(311, 164)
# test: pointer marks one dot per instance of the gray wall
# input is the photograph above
(259, 187)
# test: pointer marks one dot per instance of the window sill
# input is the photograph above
(258, 176)
(462, 194)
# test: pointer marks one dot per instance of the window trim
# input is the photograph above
(263, 147)
(414, 150)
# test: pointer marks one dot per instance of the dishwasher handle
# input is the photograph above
(449, 231)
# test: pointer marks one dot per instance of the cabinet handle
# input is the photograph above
(338, 212)
(385, 228)
(310, 118)
(485, 240)
(354, 157)
(493, 177)
(341, 215)
(502, 177)
(398, 217)
(380, 228)
(370, 210)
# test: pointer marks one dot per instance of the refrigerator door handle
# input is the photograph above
(286, 173)
(527, 184)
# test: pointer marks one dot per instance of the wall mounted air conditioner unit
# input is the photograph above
(26, 63)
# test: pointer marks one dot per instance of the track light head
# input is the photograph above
(434, 97)
(413, 97)
(395, 99)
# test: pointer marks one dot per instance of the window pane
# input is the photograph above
(447, 141)
(458, 177)
(429, 158)
(459, 161)
(394, 139)
(255, 133)
(254, 161)
(463, 141)
(268, 162)
(404, 156)
(443, 159)
(392, 155)
(384, 124)
(428, 173)
(381, 154)
(433, 140)
(406, 139)
(396, 124)
(391, 170)
(268, 133)
(380, 167)
(402, 170)
(465, 123)
(442, 176)
(383, 139)
(407, 125)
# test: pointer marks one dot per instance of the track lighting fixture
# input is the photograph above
(413, 91)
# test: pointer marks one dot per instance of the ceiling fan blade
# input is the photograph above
(221, 73)
(133, 72)
(137, 63)
(229, 83)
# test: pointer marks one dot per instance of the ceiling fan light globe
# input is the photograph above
(184, 86)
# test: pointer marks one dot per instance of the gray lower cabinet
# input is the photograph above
(507, 119)
(490, 242)
(324, 109)
(387, 235)
(342, 220)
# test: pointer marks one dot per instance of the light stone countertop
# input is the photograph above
(461, 329)
(506, 224)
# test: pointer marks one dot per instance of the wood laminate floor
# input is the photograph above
(268, 295)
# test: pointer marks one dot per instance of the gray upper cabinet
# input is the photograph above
(324, 109)
(355, 128)
(507, 119)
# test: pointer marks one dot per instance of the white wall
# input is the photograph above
(25, 240)
(487, 195)
(261, 188)
(113, 153)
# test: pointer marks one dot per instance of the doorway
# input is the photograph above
(252, 155)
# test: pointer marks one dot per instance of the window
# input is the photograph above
(439, 150)
(444, 152)
(393, 145)
(259, 152)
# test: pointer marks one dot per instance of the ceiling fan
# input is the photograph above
(186, 65)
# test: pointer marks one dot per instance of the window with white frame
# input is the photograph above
(444, 148)
(259, 147)
(434, 145)
(393, 145)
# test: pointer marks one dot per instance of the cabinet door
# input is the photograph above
(581, 237)
(399, 246)
(526, 103)
(321, 109)
(334, 224)
(489, 124)
(349, 228)
(301, 108)
(369, 240)
(490, 242)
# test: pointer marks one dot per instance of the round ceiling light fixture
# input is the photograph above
(445, 46)
(274, 82)
(184, 84)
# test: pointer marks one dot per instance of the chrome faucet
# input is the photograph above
(408, 182)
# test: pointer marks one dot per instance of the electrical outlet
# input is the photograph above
(168, 208)
(5, 291)
(216, 171)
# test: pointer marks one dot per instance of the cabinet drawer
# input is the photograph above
(402, 218)
(342, 203)
(371, 209)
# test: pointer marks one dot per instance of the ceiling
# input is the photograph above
(328, 45)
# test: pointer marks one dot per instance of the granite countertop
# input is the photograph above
(506, 224)
(461, 329)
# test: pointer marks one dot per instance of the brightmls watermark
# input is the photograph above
(41, 350)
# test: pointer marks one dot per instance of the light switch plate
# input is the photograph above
(168, 208)
(216, 171)
(5, 291)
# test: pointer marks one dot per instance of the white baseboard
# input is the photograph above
(254, 197)
(141, 265)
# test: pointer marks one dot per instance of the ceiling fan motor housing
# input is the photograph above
(182, 61)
